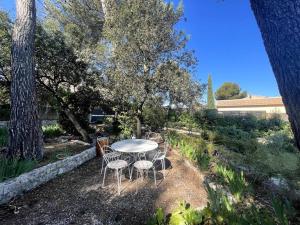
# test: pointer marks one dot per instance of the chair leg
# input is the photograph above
(154, 175)
(102, 166)
(163, 167)
(118, 180)
(104, 176)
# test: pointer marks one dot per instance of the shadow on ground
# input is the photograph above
(77, 197)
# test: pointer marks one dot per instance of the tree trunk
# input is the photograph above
(138, 127)
(76, 124)
(25, 134)
(279, 23)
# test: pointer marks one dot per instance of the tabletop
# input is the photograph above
(134, 146)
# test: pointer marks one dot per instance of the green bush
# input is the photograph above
(3, 137)
(221, 211)
(154, 117)
(236, 182)
(235, 139)
(127, 125)
(194, 148)
(52, 131)
(187, 120)
(13, 167)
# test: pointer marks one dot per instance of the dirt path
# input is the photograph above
(77, 197)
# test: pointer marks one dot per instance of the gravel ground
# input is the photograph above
(77, 197)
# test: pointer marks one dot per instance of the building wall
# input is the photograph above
(267, 109)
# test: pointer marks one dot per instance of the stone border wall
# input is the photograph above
(27, 181)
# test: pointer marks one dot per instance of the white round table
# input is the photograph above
(134, 146)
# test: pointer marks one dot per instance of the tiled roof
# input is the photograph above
(248, 102)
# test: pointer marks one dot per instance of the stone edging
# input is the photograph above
(27, 181)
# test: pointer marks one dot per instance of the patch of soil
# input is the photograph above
(77, 197)
(54, 149)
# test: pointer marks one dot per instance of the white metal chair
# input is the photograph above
(154, 137)
(161, 156)
(113, 162)
(142, 166)
(109, 154)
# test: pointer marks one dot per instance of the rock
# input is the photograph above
(277, 184)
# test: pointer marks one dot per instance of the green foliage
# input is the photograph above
(52, 131)
(210, 94)
(184, 214)
(127, 124)
(158, 218)
(236, 182)
(221, 211)
(13, 167)
(194, 148)
(3, 137)
(230, 90)
(5, 57)
(235, 139)
(147, 66)
(154, 117)
(187, 120)
(82, 32)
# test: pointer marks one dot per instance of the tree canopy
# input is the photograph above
(230, 90)
(143, 64)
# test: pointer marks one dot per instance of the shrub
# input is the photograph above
(220, 211)
(154, 117)
(13, 167)
(194, 148)
(52, 131)
(187, 120)
(3, 137)
(235, 139)
(127, 125)
(236, 182)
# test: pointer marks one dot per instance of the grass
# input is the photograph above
(13, 167)
(193, 148)
(52, 131)
(235, 181)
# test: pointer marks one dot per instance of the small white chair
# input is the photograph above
(142, 166)
(109, 154)
(161, 156)
(113, 162)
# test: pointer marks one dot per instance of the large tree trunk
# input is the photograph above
(25, 140)
(77, 125)
(279, 23)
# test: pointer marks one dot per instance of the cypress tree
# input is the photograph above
(210, 94)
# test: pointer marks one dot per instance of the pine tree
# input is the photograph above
(210, 94)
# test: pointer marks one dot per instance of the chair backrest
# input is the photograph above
(160, 153)
(101, 141)
(110, 154)
(154, 137)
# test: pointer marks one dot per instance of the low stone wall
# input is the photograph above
(27, 181)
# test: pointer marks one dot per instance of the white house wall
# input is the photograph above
(267, 109)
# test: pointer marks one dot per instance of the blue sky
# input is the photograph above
(227, 42)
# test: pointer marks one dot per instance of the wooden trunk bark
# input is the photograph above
(138, 127)
(25, 134)
(76, 124)
(279, 23)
